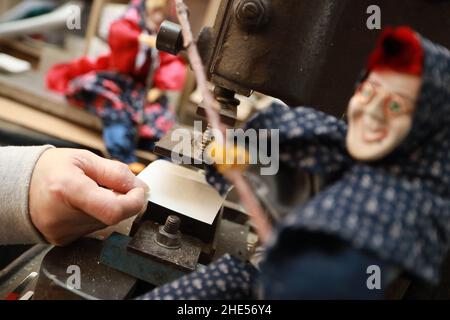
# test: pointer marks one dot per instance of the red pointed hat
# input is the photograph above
(398, 49)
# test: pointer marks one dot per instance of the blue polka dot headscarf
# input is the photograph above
(398, 208)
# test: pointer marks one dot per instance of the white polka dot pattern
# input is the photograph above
(226, 279)
(398, 208)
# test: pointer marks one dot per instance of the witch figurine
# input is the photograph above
(386, 210)
(127, 86)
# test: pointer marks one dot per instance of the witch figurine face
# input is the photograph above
(380, 114)
(157, 11)
(386, 171)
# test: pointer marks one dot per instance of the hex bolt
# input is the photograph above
(169, 235)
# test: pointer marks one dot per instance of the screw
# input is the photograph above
(253, 13)
(250, 10)
(206, 138)
(169, 235)
(172, 224)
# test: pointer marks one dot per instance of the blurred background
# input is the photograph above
(30, 113)
(36, 36)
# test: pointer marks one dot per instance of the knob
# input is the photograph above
(170, 38)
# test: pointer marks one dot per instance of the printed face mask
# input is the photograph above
(380, 114)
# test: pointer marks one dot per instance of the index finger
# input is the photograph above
(103, 204)
(108, 173)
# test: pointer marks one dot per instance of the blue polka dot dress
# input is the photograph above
(398, 208)
(226, 279)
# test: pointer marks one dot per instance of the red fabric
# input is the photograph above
(398, 49)
(124, 45)
(60, 75)
(12, 296)
(171, 73)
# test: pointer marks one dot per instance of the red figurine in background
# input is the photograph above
(125, 87)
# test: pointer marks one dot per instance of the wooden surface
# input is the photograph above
(29, 118)
(29, 89)
(94, 18)
(19, 114)
(7, 4)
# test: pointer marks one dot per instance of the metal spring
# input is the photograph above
(207, 137)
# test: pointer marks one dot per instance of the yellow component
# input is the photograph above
(149, 40)
(153, 95)
(155, 4)
(229, 157)
(136, 167)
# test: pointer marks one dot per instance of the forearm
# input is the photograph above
(16, 168)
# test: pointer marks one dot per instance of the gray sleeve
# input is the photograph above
(16, 168)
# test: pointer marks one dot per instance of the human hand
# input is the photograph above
(153, 95)
(74, 193)
(149, 40)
